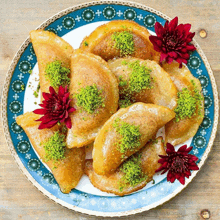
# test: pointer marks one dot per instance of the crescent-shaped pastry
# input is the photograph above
(94, 89)
(148, 162)
(118, 39)
(125, 133)
(144, 81)
(179, 132)
(67, 171)
(50, 48)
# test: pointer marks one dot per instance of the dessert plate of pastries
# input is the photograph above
(110, 108)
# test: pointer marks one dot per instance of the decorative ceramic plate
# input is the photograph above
(73, 24)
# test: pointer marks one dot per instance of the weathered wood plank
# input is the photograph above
(19, 199)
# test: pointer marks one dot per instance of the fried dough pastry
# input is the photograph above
(138, 124)
(87, 71)
(69, 170)
(49, 47)
(181, 131)
(162, 91)
(148, 163)
(118, 39)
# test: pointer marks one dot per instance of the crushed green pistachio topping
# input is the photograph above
(139, 79)
(86, 44)
(122, 82)
(55, 147)
(187, 103)
(130, 135)
(90, 98)
(57, 74)
(38, 87)
(133, 174)
(37, 91)
(124, 42)
(124, 103)
(35, 94)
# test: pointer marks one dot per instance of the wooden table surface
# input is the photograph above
(19, 199)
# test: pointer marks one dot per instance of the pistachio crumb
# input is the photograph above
(130, 135)
(57, 74)
(86, 44)
(55, 147)
(124, 42)
(133, 174)
(90, 99)
(187, 103)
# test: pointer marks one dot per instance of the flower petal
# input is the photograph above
(40, 111)
(170, 148)
(163, 56)
(159, 29)
(68, 123)
(173, 24)
(182, 179)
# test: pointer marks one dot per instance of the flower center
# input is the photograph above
(56, 107)
(171, 42)
(179, 164)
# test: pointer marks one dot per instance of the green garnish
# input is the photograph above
(86, 44)
(57, 74)
(124, 42)
(124, 103)
(133, 174)
(199, 98)
(35, 94)
(122, 82)
(55, 147)
(140, 77)
(38, 87)
(124, 62)
(130, 135)
(187, 103)
(30, 71)
(37, 91)
(22, 87)
(89, 98)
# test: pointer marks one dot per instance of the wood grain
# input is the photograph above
(19, 199)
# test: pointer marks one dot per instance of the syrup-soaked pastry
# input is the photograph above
(50, 48)
(126, 132)
(67, 171)
(94, 89)
(144, 81)
(180, 129)
(140, 171)
(120, 38)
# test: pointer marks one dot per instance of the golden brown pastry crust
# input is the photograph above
(100, 41)
(179, 132)
(86, 70)
(149, 118)
(149, 163)
(69, 170)
(49, 47)
(164, 91)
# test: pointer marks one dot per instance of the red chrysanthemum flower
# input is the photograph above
(178, 163)
(173, 41)
(55, 108)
